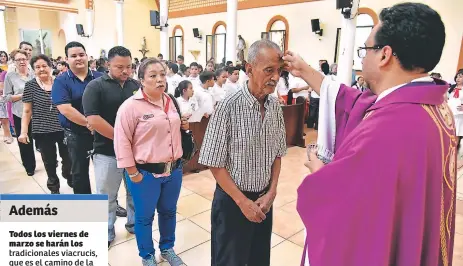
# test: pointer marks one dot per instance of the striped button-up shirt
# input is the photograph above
(238, 139)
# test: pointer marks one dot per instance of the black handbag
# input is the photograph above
(188, 143)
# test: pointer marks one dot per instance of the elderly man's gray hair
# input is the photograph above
(257, 46)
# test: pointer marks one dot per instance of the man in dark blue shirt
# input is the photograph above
(67, 93)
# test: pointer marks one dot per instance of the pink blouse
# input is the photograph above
(144, 133)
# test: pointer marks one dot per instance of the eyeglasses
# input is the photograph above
(21, 60)
(362, 51)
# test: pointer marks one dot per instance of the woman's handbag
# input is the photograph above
(188, 143)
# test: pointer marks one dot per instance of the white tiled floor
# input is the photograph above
(193, 219)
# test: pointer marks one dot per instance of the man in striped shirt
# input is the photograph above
(243, 146)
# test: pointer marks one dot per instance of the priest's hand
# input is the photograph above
(314, 164)
(294, 64)
(252, 212)
(266, 201)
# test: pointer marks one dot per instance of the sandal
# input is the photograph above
(8, 140)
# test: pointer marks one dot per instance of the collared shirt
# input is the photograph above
(297, 82)
(238, 139)
(68, 88)
(231, 87)
(103, 96)
(144, 133)
(218, 93)
(14, 85)
(173, 83)
(390, 90)
(205, 104)
(195, 81)
(187, 107)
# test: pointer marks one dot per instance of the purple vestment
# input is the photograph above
(388, 196)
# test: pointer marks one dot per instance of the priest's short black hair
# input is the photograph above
(416, 34)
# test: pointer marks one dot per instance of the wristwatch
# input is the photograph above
(134, 175)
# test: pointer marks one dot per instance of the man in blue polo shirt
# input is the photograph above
(67, 93)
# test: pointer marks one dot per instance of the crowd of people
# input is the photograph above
(394, 142)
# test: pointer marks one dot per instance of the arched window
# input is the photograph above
(216, 43)
(277, 32)
(176, 43)
(365, 24)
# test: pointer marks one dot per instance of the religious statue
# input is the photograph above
(143, 49)
(240, 47)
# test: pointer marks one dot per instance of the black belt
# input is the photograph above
(159, 168)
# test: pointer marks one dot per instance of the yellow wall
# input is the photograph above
(32, 19)
(12, 31)
(49, 20)
(137, 26)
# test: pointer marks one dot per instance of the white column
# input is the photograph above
(164, 34)
(3, 43)
(89, 31)
(232, 12)
(346, 57)
(120, 22)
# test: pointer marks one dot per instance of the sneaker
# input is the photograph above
(150, 261)
(120, 212)
(172, 258)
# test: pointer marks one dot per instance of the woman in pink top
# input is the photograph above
(147, 143)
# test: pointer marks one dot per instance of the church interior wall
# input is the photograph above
(252, 22)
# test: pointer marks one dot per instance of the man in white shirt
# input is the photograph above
(203, 97)
(173, 78)
(232, 84)
(218, 91)
(194, 75)
(299, 88)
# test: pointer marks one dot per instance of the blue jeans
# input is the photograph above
(151, 193)
(108, 181)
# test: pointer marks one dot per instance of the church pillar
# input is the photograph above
(120, 22)
(164, 34)
(3, 45)
(89, 31)
(346, 57)
(232, 12)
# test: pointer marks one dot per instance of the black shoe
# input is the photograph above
(130, 228)
(121, 212)
(31, 173)
(55, 192)
(109, 244)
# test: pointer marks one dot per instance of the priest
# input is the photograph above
(388, 195)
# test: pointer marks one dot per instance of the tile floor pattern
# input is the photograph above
(193, 241)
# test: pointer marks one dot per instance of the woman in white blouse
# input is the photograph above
(455, 103)
(185, 99)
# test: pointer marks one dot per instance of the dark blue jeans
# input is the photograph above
(148, 195)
